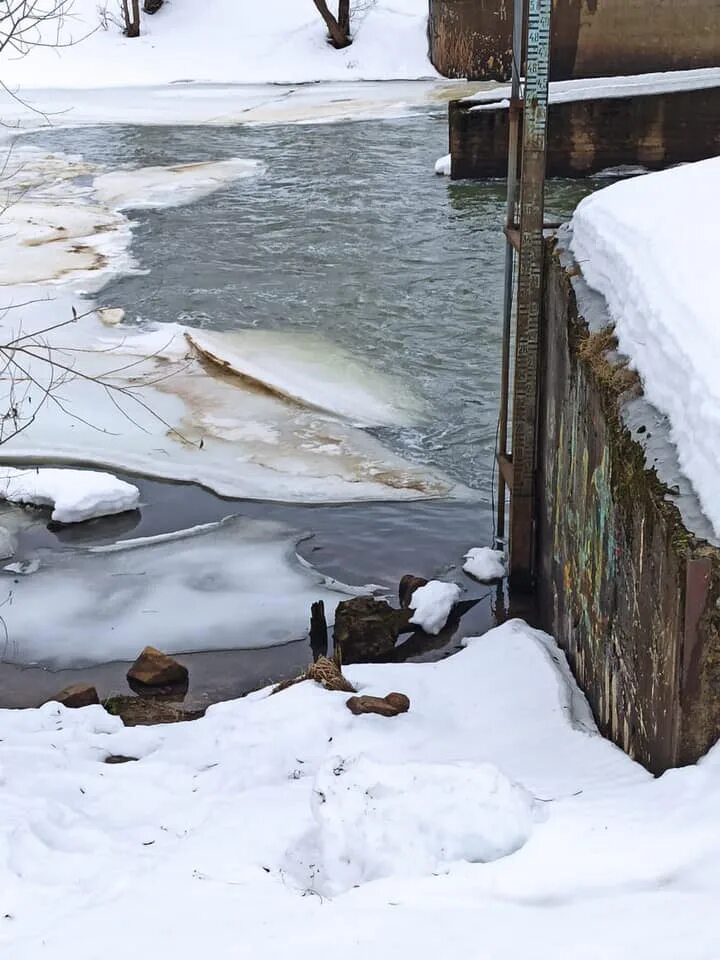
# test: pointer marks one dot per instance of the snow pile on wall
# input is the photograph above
(227, 41)
(637, 242)
(412, 819)
(74, 495)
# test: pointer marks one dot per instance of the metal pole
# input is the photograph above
(530, 291)
(512, 189)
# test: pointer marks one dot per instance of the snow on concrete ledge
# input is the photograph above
(563, 91)
(75, 495)
(643, 244)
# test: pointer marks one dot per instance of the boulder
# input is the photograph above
(152, 6)
(365, 629)
(389, 706)
(77, 695)
(153, 668)
(408, 585)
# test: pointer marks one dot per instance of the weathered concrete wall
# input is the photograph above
(627, 590)
(590, 38)
(586, 136)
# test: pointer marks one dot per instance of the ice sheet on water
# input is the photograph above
(309, 370)
(236, 585)
(150, 188)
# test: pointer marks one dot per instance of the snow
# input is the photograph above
(366, 829)
(432, 605)
(563, 91)
(228, 586)
(485, 564)
(74, 495)
(211, 839)
(223, 41)
(443, 165)
(637, 244)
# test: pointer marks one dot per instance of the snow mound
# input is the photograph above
(74, 495)
(485, 564)
(378, 820)
(443, 165)
(637, 244)
(151, 188)
(432, 605)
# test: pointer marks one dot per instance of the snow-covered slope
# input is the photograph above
(640, 243)
(239, 41)
(281, 820)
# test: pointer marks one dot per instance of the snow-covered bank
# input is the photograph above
(219, 834)
(74, 495)
(637, 242)
(227, 41)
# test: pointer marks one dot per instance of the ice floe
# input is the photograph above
(485, 564)
(74, 495)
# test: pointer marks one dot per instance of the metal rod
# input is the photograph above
(510, 219)
(530, 292)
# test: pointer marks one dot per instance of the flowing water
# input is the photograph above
(348, 234)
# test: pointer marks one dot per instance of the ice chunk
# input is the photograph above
(485, 564)
(309, 370)
(74, 495)
(443, 165)
(150, 188)
(380, 820)
(432, 605)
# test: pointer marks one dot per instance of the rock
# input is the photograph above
(77, 695)
(389, 706)
(119, 758)
(152, 6)
(365, 629)
(149, 711)
(156, 669)
(408, 585)
(399, 701)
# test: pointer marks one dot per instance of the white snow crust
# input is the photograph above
(432, 605)
(74, 495)
(637, 243)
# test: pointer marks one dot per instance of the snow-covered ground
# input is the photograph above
(491, 820)
(227, 41)
(638, 243)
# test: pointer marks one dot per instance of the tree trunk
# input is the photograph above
(344, 17)
(338, 37)
(132, 21)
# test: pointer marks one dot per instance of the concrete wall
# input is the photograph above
(591, 38)
(626, 589)
(586, 136)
